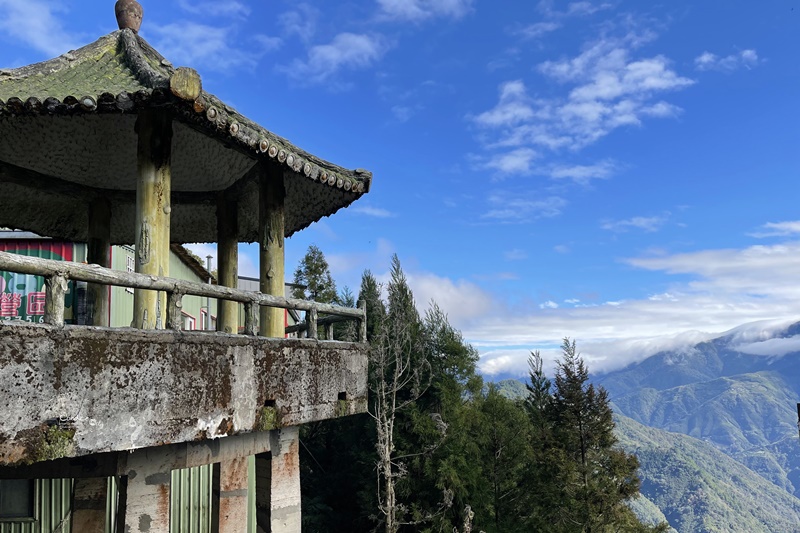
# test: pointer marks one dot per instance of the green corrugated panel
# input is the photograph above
(112, 499)
(251, 494)
(190, 500)
(53, 502)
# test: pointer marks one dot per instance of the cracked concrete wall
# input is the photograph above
(120, 389)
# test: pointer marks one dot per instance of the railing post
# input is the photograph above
(329, 331)
(311, 323)
(362, 322)
(56, 287)
(174, 306)
(251, 310)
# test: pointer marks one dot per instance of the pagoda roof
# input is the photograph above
(67, 137)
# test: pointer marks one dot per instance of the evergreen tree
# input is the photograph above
(592, 479)
(313, 277)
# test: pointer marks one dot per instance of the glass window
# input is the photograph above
(16, 498)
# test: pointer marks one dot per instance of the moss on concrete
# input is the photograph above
(268, 419)
(55, 444)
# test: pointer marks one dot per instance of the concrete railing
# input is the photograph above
(57, 274)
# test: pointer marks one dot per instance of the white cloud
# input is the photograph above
(209, 47)
(36, 23)
(538, 29)
(302, 22)
(519, 208)
(515, 255)
(462, 300)
(583, 174)
(586, 8)
(513, 108)
(218, 8)
(574, 9)
(419, 10)
(649, 224)
(778, 229)
(403, 113)
(347, 51)
(604, 88)
(514, 162)
(725, 288)
(777, 347)
(744, 59)
(549, 304)
(372, 211)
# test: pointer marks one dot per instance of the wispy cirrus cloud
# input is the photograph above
(211, 47)
(372, 211)
(300, 21)
(648, 224)
(37, 24)
(514, 208)
(573, 9)
(420, 10)
(744, 59)
(220, 8)
(538, 29)
(583, 174)
(347, 51)
(777, 229)
(516, 254)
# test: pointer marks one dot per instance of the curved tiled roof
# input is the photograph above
(79, 110)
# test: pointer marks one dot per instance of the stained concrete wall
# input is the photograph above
(81, 390)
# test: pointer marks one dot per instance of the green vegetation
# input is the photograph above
(441, 452)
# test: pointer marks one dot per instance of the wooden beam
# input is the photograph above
(153, 208)
(42, 182)
(227, 262)
(98, 247)
(271, 229)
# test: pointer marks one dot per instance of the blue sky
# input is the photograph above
(621, 172)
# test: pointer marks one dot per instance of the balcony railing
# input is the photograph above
(57, 274)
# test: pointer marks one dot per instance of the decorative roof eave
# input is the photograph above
(155, 78)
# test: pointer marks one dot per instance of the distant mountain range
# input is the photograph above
(714, 425)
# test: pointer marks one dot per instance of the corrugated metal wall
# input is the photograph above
(190, 500)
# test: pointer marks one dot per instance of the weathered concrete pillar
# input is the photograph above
(147, 506)
(227, 262)
(98, 247)
(271, 251)
(233, 495)
(153, 208)
(284, 512)
(89, 504)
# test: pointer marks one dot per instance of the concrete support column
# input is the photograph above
(227, 262)
(271, 250)
(284, 506)
(99, 245)
(153, 207)
(89, 504)
(233, 495)
(147, 503)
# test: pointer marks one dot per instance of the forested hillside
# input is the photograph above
(699, 488)
(741, 403)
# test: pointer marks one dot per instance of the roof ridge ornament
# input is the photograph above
(129, 15)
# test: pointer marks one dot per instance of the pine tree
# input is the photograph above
(313, 277)
(592, 479)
